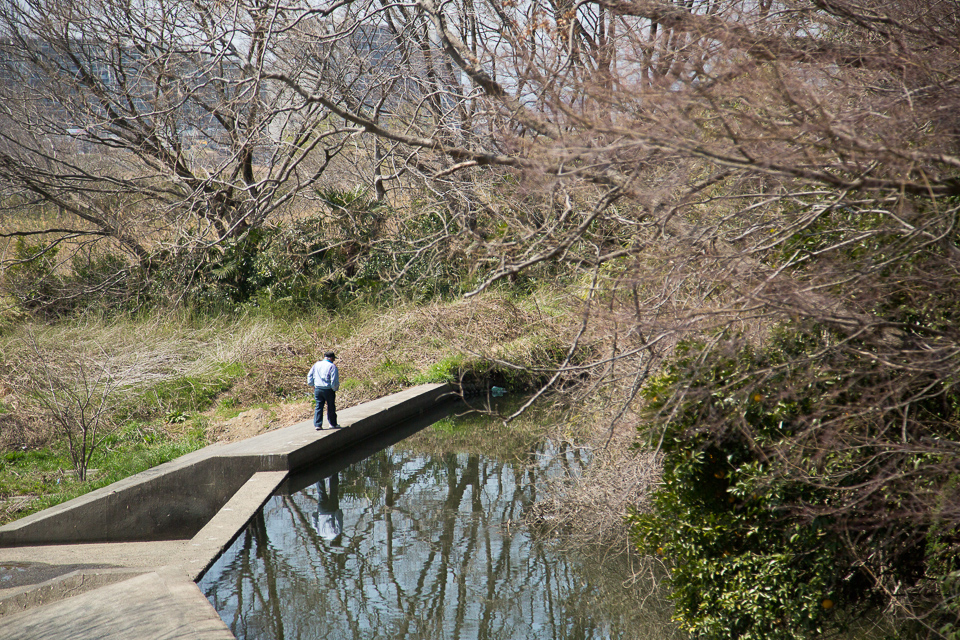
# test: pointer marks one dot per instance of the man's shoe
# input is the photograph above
(319, 428)
(336, 426)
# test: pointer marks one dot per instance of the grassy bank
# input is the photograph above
(183, 381)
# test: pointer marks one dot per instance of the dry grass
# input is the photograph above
(427, 334)
(380, 351)
(138, 355)
(385, 350)
(146, 352)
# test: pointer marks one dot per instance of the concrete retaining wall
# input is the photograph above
(175, 500)
(168, 502)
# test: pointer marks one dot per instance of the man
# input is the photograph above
(325, 380)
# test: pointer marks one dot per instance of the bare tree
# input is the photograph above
(151, 125)
(79, 395)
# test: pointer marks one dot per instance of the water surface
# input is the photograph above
(406, 544)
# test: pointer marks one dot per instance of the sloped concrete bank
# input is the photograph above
(121, 562)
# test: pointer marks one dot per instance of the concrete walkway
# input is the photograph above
(121, 562)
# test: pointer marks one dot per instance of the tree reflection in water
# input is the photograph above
(430, 548)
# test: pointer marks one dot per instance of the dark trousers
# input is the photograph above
(328, 397)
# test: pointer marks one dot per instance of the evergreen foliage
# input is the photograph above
(785, 513)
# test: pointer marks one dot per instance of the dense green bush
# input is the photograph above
(328, 261)
(358, 249)
(274, 266)
(40, 285)
(786, 510)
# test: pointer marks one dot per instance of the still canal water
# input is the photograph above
(415, 545)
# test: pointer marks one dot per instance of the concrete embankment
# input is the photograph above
(121, 562)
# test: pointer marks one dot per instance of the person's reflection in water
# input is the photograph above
(329, 517)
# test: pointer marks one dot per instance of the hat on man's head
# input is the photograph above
(330, 354)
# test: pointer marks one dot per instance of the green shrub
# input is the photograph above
(328, 261)
(764, 514)
(104, 282)
(449, 369)
(43, 287)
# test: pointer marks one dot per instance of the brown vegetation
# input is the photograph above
(721, 171)
(591, 508)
